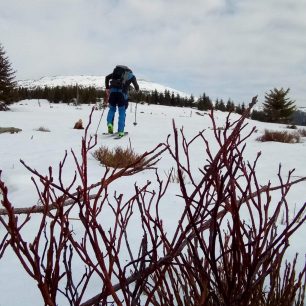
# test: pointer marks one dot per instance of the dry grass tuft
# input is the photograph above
(280, 136)
(173, 176)
(302, 132)
(118, 157)
(79, 125)
(11, 130)
(42, 129)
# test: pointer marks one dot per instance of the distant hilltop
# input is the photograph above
(91, 81)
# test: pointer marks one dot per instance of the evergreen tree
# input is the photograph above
(243, 108)
(217, 104)
(230, 106)
(258, 115)
(172, 99)
(204, 103)
(7, 76)
(155, 97)
(167, 97)
(278, 107)
(222, 106)
(238, 109)
(190, 101)
(208, 103)
(161, 98)
(299, 118)
(178, 100)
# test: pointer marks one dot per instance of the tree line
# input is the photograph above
(79, 94)
(88, 95)
(277, 107)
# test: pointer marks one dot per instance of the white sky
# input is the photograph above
(225, 48)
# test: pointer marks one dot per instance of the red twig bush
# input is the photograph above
(225, 250)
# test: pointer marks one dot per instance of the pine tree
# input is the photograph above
(7, 76)
(238, 109)
(204, 103)
(217, 105)
(230, 106)
(278, 107)
(222, 107)
(172, 99)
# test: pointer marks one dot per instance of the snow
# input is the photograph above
(94, 81)
(154, 122)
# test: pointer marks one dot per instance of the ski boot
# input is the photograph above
(120, 134)
(110, 128)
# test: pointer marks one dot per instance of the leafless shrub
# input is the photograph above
(117, 157)
(302, 132)
(226, 248)
(42, 129)
(280, 136)
(221, 268)
(173, 176)
(283, 218)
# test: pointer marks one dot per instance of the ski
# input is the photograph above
(115, 135)
(108, 134)
(119, 137)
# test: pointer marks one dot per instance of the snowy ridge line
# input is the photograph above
(91, 81)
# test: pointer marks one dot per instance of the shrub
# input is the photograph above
(280, 136)
(42, 129)
(3, 106)
(118, 157)
(174, 177)
(293, 127)
(11, 130)
(302, 132)
(79, 125)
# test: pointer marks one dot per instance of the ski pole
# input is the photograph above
(104, 104)
(100, 120)
(135, 122)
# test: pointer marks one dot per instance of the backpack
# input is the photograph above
(120, 76)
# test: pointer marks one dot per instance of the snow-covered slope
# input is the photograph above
(154, 123)
(89, 80)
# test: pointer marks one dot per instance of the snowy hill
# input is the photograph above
(89, 80)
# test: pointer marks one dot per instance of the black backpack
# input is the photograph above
(120, 75)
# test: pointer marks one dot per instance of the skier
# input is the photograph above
(117, 86)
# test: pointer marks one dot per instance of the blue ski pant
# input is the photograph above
(117, 99)
(121, 119)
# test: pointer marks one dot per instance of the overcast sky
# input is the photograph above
(226, 48)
